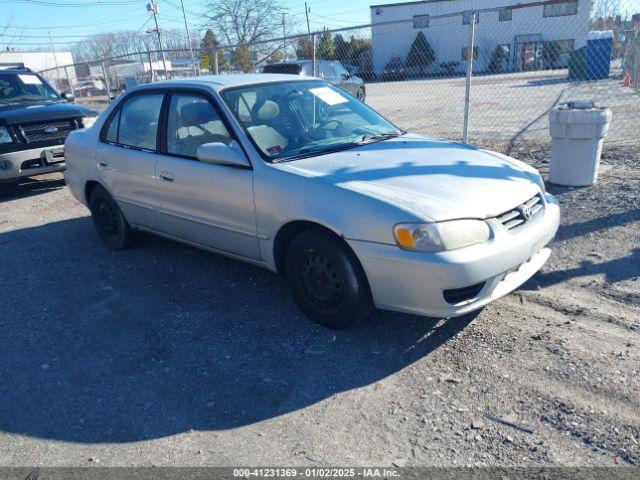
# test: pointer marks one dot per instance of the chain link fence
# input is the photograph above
(488, 76)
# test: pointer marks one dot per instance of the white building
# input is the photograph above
(518, 32)
(38, 61)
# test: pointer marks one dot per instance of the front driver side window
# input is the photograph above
(139, 121)
(193, 121)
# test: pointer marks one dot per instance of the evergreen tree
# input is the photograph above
(342, 49)
(326, 49)
(241, 59)
(421, 54)
(304, 48)
(209, 45)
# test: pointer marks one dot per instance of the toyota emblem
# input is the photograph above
(526, 212)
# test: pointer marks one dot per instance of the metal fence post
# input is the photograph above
(313, 55)
(467, 97)
(151, 73)
(66, 72)
(106, 82)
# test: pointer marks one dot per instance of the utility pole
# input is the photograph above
(153, 8)
(306, 12)
(186, 27)
(55, 59)
(284, 38)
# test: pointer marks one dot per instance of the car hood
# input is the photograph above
(434, 179)
(40, 112)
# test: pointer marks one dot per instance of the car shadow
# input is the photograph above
(162, 338)
(30, 186)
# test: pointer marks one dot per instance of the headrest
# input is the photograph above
(269, 110)
(195, 113)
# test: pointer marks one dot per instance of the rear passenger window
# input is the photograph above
(192, 122)
(136, 124)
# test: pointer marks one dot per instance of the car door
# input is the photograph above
(204, 203)
(127, 154)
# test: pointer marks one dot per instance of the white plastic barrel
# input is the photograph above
(577, 132)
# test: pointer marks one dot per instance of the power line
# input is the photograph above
(45, 3)
(57, 27)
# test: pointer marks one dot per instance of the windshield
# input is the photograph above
(17, 87)
(289, 120)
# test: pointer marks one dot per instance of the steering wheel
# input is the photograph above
(324, 125)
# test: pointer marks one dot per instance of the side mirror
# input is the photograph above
(222, 154)
(68, 96)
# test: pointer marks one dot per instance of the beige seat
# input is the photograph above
(266, 137)
(196, 127)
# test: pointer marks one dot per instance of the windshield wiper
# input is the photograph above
(377, 137)
(317, 149)
(342, 145)
(30, 98)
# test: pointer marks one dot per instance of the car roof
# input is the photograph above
(19, 71)
(220, 82)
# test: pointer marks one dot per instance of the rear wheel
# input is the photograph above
(326, 280)
(107, 217)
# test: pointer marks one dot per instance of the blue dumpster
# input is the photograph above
(599, 46)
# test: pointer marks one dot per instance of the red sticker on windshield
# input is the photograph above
(274, 149)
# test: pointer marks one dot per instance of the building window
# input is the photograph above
(378, 11)
(466, 17)
(561, 9)
(465, 53)
(421, 21)
(505, 15)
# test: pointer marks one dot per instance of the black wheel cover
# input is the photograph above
(321, 281)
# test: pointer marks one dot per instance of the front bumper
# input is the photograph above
(35, 161)
(414, 282)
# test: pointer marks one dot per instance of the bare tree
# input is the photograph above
(111, 44)
(605, 9)
(245, 21)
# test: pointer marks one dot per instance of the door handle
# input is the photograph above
(166, 176)
(103, 164)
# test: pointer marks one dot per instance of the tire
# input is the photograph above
(361, 95)
(326, 279)
(107, 217)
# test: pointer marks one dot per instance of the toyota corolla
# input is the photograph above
(297, 176)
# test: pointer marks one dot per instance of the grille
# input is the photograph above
(519, 216)
(39, 132)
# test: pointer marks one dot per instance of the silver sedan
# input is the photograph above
(297, 176)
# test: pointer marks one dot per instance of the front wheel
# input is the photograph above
(107, 217)
(326, 280)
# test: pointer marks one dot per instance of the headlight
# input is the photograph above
(436, 237)
(5, 136)
(87, 122)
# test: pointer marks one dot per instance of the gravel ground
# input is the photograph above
(166, 355)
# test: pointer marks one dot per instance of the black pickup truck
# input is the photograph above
(34, 122)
